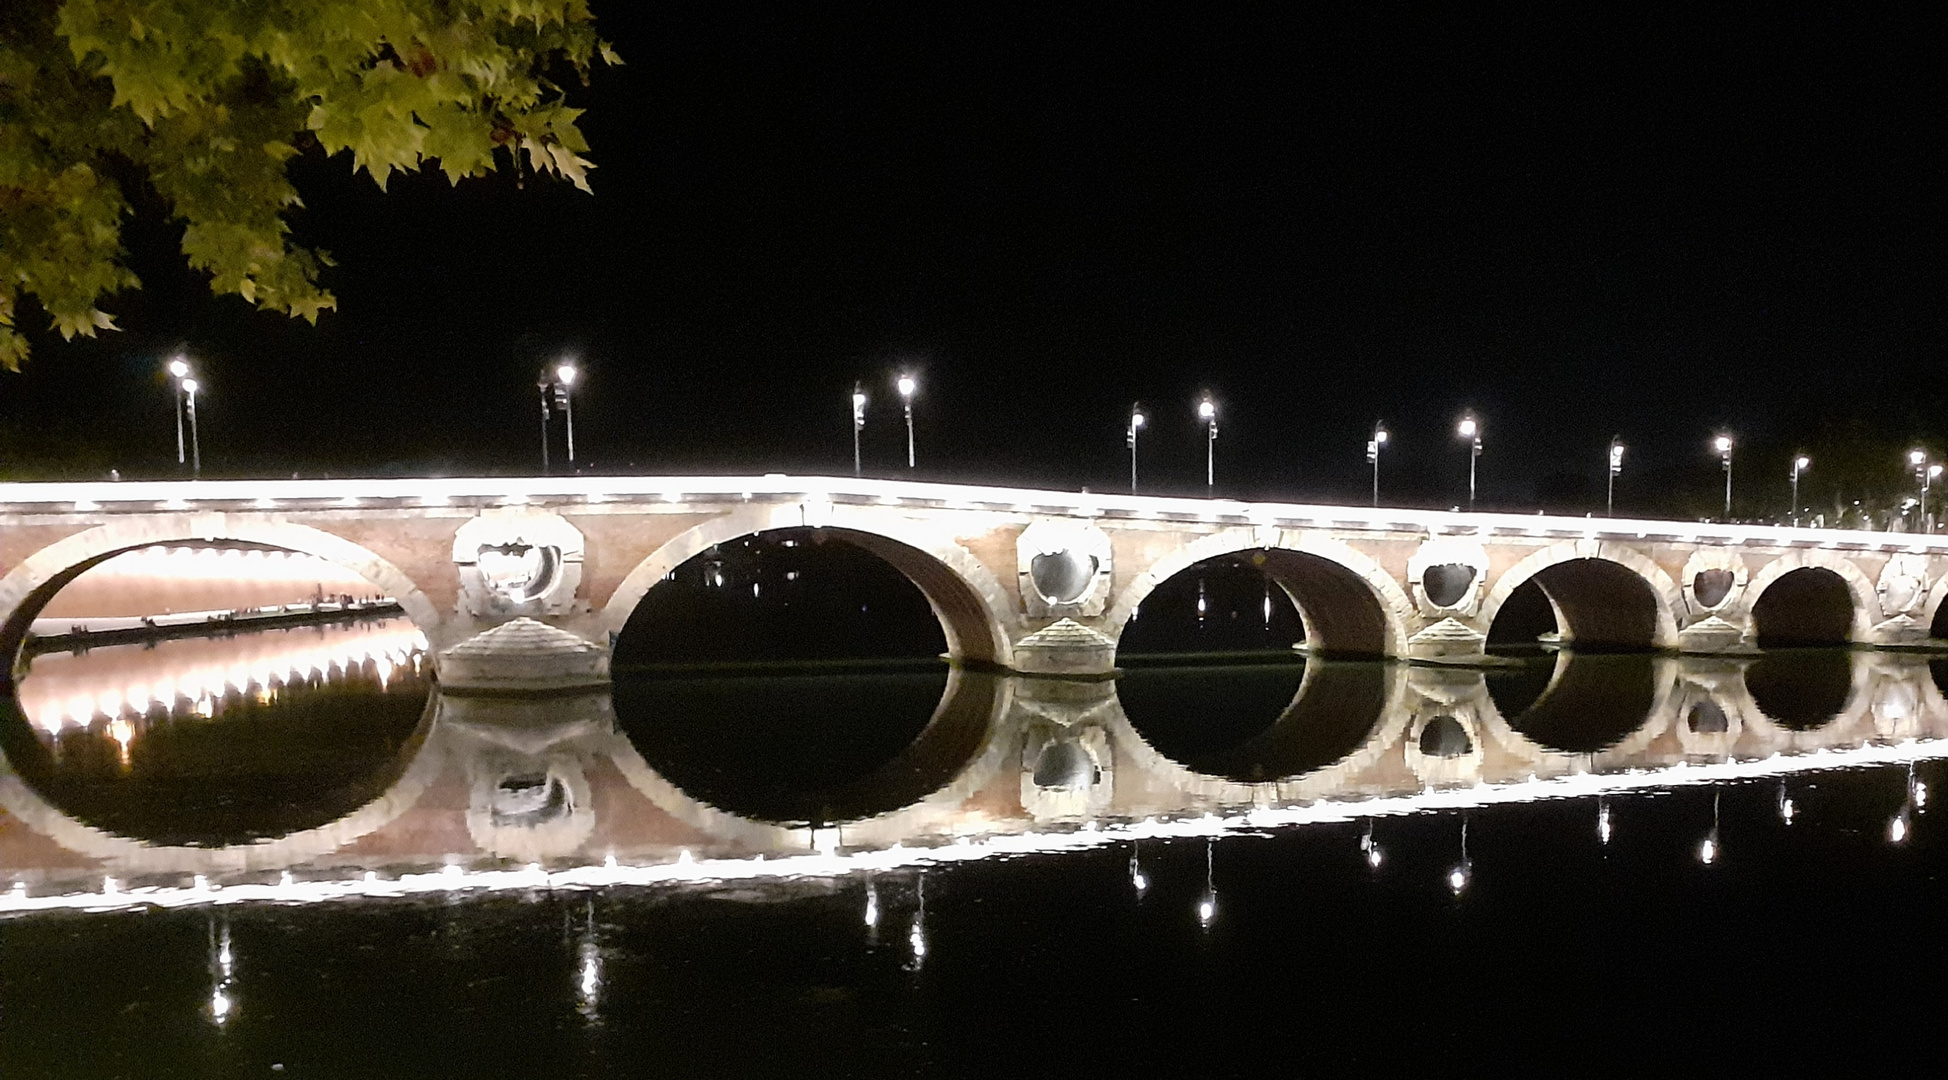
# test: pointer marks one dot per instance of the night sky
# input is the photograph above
(1650, 224)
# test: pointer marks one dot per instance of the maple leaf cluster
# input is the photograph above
(209, 100)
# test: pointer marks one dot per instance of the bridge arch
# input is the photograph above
(1859, 591)
(973, 609)
(1347, 603)
(27, 587)
(1589, 594)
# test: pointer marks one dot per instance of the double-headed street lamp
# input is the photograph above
(1925, 473)
(1207, 412)
(557, 391)
(1799, 463)
(906, 384)
(858, 422)
(1136, 425)
(1373, 447)
(1616, 466)
(1723, 444)
(1470, 429)
(179, 371)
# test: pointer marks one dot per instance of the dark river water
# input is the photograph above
(285, 853)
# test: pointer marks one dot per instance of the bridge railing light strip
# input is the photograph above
(831, 863)
(361, 496)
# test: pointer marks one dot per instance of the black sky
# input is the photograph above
(1646, 223)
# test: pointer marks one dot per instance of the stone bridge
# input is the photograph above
(1037, 582)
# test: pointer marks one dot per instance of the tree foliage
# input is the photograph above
(208, 101)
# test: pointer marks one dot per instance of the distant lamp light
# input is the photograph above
(192, 385)
(907, 385)
(1458, 877)
(1708, 849)
(1206, 910)
(179, 367)
(1722, 444)
(567, 374)
(1603, 822)
(1916, 457)
(1897, 829)
(1468, 427)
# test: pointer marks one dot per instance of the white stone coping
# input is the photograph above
(352, 496)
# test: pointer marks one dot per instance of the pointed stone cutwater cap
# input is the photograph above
(1449, 639)
(523, 656)
(1712, 634)
(1066, 647)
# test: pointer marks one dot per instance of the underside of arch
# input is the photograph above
(53, 568)
(1598, 605)
(1342, 617)
(1810, 605)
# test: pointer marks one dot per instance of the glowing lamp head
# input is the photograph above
(1379, 436)
(1207, 409)
(1916, 457)
(1722, 444)
(1897, 829)
(1708, 850)
(1136, 418)
(907, 384)
(179, 367)
(1457, 878)
(1468, 428)
(191, 385)
(1800, 462)
(566, 374)
(1934, 471)
(1616, 453)
(858, 400)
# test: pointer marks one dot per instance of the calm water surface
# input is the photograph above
(1574, 864)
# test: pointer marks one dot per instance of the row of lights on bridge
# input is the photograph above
(557, 385)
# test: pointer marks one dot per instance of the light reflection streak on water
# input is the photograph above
(63, 690)
(689, 870)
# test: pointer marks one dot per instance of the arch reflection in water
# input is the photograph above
(1055, 767)
(1256, 722)
(810, 748)
(221, 740)
(1577, 703)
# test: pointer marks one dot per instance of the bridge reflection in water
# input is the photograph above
(690, 779)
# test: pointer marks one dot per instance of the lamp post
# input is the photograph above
(1723, 444)
(179, 370)
(1927, 516)
(1799, 464)
(906, 385)
(190, 387)
(1207, 412)
(1373, 447)
(1616, 466)
(1136, 425)
(1470, 429)
(565, 376)
(858, 422)
(1925, 474)
(546, 386)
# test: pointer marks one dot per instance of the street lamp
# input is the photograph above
(1616, 466)
(190, 387)
(1136, 425)
(1470, 429)
(1799, 464)
(907, 385)
(1207, 412)
(1925, 473)
(1723, 444)
(1373, 447)
(565, 375)
(179, 370)
(858, 422)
